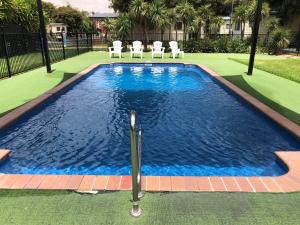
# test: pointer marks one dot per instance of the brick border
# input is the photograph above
(289, 182)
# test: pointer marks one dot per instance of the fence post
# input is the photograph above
(77, 44)
(92, 47)
(41, 46)
(6, 54)
(63, 45)
(298, 41)
(44, 35)
(87, 41)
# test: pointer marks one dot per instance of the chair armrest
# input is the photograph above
(110, 48)
(163, 49)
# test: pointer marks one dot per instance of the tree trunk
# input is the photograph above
(200, 30)
(145, 35)
(184, 32)
(243, 30)
(176, 31)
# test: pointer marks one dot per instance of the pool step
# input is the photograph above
(4, 153)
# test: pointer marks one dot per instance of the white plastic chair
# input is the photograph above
(116, 49)
(136, 48)
(175, 50)
(158, 49)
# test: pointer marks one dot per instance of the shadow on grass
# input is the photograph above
(66, 76)
(239, 81)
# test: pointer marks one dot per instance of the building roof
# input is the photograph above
(57, 24)
(103, 15)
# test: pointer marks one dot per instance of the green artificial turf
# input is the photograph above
(279, 93)
(67, 208)
(287, 68)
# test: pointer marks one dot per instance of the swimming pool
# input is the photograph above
(192, 126)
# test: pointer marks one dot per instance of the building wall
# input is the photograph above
(57, 28)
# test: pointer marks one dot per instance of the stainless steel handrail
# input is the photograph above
(140, 194)
(136, 211)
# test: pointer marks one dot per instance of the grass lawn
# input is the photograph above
(62, 207)
(277, 92)
(288, 68)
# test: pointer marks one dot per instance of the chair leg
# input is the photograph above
(120, 55)
(110, 55)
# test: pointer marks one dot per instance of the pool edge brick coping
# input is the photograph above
(289, 182)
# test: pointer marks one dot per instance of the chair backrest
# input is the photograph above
(173, 44)
(137, 44)
(157, 45)
(117, 44)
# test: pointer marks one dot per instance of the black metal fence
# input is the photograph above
(20, 52)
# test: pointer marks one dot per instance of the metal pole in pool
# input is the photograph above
(141, 193)
(136, 211)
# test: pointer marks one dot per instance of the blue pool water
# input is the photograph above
(191, 126)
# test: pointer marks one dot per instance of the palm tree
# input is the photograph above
(272, 24)
(140, 11)
(240, 15)
(205, 13)
(216, 23)
(158, 15)
(172, 19)
(195, 27)
(107, 25)
(122, 26)
(186, 13)
(265, 12)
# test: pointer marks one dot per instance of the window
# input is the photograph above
(58, 29)
(237, 26)
(63, 29)
(228, 26)
(178, 25)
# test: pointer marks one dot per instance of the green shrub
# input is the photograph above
(236, 45)
(279, 39)
(167, 46)
(221, 45)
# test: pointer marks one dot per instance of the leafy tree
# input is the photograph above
(50, 10)
(70, 17)
(20, 12)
